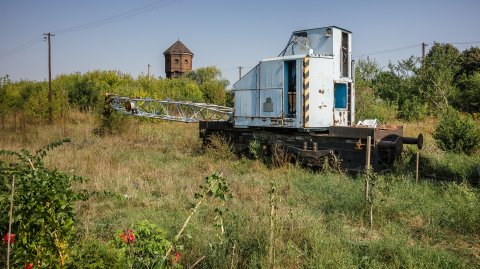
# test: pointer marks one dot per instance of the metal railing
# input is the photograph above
(182, 111)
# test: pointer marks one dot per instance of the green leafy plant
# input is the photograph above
(144, 245)
(94, 254)
(43, 212)
(458, 133)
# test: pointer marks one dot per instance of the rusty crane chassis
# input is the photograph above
(347, 145)
(303, 101)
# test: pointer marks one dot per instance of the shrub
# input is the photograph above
(95, 254)
(110, 122)
(43, 211)
(457, 133)
(144, 245)
(368, 106)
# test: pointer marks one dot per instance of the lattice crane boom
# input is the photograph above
(182, 111)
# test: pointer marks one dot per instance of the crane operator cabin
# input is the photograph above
(308, 86)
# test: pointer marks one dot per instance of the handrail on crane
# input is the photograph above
(167, 109)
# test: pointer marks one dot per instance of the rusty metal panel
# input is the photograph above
(351, 131)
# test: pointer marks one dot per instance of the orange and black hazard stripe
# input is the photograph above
(306, 91)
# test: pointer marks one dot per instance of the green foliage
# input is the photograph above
(148, 247)
(457, 133)
(468, 98)
(470, 61)
(368, 106)
(110, 122)
(43, 213)
(94, 254)
(214, 92)
(451, 167)
(211, 84)
(366, 72)
(37, 105)
(85, 92)
(437, 75)
(255, 149)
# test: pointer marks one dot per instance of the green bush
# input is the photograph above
(43, 209)
(144, 245)
(368, 106)
(457, 133)
(94, 254)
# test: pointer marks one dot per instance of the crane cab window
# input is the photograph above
(291, 88)
(340, 95)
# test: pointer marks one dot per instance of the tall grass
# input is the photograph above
(152, 170)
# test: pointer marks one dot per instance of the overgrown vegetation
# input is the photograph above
(417, 88)
(42, 208)
(85, 92)
(148, 210)
(457, 133)
(154, 172)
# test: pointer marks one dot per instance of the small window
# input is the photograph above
(168, 61)
(177, 61)
(340, 95)
(186, 61)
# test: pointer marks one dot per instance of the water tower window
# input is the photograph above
(177, 61)
(186, 61)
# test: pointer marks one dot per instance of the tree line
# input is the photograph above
(415, 88)
(411, 89)
(85, 92)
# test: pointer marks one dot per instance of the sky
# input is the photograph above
(128, 35)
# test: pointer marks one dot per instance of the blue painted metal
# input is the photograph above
(328, 51)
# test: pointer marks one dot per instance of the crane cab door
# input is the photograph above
(290, 89)
(342, 104)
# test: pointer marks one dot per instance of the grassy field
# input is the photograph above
(154, 169)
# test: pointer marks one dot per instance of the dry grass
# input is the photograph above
(154, 169)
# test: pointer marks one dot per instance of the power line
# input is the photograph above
(118, 17)
(125, 15)
(389, 50)
(464, 43)
(423, 45)
(22, 47)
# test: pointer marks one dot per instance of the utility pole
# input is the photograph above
(148, 72)
(424, 45)
(50, 108)
(240, 72)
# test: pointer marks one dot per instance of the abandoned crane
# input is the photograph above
(303, 100)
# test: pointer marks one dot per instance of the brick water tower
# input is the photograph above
(178, 60)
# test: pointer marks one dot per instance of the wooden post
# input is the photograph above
(369, 151)
(416, 170)
(271, 251)
(367, 167)
(368, 202)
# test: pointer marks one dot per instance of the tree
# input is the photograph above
(437, 75)
(468, 99)
(470, 61)
(204, 74)
(366, 72)
(211, 84)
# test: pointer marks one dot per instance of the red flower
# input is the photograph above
(129, 237)
(12, 238)
(28, 266)
(124, 237)
(178, 255)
